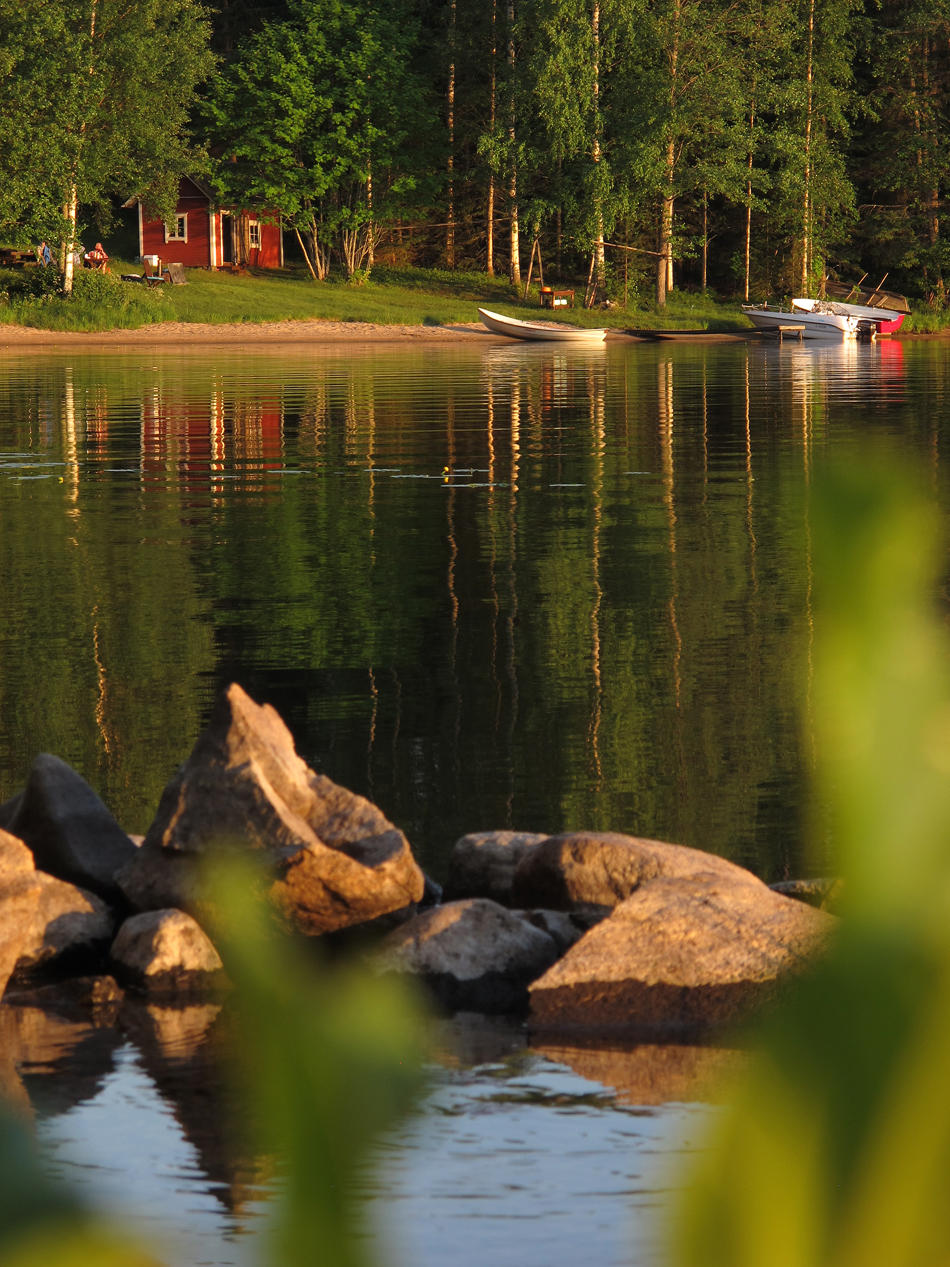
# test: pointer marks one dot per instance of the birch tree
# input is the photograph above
(94, 103)
(812, 192)
(315, 120)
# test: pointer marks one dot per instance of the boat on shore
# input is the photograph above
(884, 320)
(814, 323)
(536, 331)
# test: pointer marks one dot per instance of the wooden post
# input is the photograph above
(591, 291)
(534, 247)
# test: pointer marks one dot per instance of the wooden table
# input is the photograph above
(551, 298)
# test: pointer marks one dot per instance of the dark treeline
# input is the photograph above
(748, 146)
(744, 145)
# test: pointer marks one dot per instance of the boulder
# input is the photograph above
(473, 954)
(600, 869)
(166, 952)
(44, 920)
(563, 929)
(681, 956)
(70, 831)
(482, 864)
(334, 859)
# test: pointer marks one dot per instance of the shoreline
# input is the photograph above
(317, 332)
(313, 332)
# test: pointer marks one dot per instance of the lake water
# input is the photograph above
(486, 586)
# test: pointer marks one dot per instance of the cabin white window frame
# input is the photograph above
(176, 230)
(254, 234)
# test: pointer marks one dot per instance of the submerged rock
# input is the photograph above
(70, 832)
(333, 858)
(471, 955)
(682, 955)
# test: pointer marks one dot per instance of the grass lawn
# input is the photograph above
(393, 296)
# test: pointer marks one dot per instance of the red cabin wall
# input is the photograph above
(197, 251)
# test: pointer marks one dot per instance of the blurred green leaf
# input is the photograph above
(835, 1147)
(329, 1056)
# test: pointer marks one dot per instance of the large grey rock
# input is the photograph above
(472, 954)
(594, 869)
(70, 831)
(334, 859)
(482, 864)
(681, 956)
(42, 919)
(167, 952)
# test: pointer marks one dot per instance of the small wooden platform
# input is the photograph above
(782, 332)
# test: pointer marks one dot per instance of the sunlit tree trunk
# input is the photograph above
(450, 161)
(600, 267)
(664, 264)
(748, 203)
(809, 119)
(514, 266)
(70, 212)
(492, 98)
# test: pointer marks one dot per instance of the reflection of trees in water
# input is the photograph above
(587, 621)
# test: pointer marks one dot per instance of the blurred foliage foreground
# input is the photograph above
(836, 1145)
(835, 1149)
(325, 1061)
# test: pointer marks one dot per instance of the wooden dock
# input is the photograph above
(784, 332)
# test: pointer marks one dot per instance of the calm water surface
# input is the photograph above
(487, 586)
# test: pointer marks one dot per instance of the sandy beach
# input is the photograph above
(312, 334)
(244, 333)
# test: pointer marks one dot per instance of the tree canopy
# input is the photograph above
(95, 97)
(752, 147)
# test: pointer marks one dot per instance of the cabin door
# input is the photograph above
(227, 238)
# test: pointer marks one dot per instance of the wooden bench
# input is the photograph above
(12, 258)
(551, 298)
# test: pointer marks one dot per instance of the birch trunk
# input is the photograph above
(514, 265)
(809, 111)
(70, 214)
(71, 209)
(600, 266)
(664, 264)
(493, 88)
(450, 161)
(748, 202)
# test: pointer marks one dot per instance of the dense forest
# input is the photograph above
(741, 145)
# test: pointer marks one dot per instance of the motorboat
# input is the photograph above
(884, 320)
(536, 331)
(814, 323)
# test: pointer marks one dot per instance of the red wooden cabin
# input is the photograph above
(205, 235)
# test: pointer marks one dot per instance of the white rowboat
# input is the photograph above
(539, 330)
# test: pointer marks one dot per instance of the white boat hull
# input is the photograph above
(538, 331)
(816, 325)
(885, 320)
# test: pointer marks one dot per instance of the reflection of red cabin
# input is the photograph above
(205, 235)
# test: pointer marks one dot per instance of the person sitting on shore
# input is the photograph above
(97, 258)
(44, 255)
